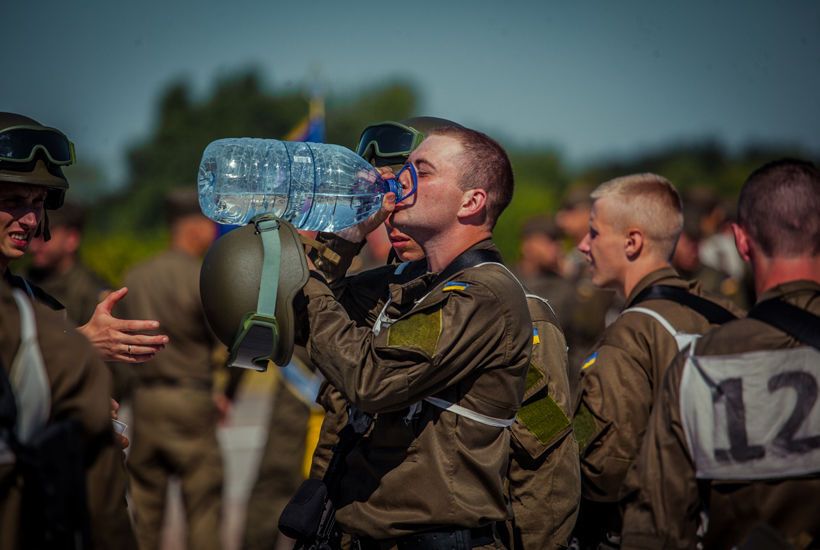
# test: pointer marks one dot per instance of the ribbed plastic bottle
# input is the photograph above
(314, 186)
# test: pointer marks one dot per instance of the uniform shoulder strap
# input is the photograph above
(802, 325)
(715, 314)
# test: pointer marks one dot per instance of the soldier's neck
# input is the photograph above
(443, 249)
(636, 272)
(771, 272)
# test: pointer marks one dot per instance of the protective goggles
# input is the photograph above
(393, 185)
(388, 139)
(21, 143)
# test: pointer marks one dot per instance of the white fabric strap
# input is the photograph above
(28, 376)
(523, 289)
(682, 339)
(655, 315)
(472, 415)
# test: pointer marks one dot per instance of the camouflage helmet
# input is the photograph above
(389, 143)
(248, 281)
(32, 154)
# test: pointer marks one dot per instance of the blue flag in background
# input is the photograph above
(312, 127)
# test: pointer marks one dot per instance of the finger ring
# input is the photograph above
(129, 349)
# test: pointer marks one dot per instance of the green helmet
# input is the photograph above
(32, 154)
(247, 285)
(389, 143)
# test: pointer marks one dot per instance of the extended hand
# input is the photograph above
(119, 339)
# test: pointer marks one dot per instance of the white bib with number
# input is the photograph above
(753, 415)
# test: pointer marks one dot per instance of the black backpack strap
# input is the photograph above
(715, 314)
(800, 324)
(469, 258)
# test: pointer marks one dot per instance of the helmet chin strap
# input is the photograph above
(258, 336)
(42, 227)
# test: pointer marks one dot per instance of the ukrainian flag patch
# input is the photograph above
(454, 285)
(535, 338)
(590, 361)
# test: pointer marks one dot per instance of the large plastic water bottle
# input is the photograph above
(314, 186)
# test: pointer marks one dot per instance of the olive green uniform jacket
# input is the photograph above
(618, 387)
(543, 478)
(468, 341)
(665, 498)
(80, 386)
(107, 476)
(175, 418)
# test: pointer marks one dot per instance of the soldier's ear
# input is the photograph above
(635, 242)
(742, 242)
(473, 203)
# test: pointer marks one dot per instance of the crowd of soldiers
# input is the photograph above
(644, 377)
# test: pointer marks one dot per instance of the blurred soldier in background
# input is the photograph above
(634, 224)
(541, 267)
(175, 414)
(686, 261)
(732, 452)
(588, 306)
(56, 266)
(289, 446)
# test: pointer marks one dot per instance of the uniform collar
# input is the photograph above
(664, 276)
(411, 289)
(792, 287)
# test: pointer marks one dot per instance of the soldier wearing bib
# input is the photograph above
(732, 452)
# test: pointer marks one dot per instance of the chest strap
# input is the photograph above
(472, 415)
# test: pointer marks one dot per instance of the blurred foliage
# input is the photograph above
(540, 179)
(110, 255)
(128, 226)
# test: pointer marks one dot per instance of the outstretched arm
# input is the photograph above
(122, 339)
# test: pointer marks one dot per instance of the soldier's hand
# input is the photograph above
(223, 407)
(358, 232)
(121, 339)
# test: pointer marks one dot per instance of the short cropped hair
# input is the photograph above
(778, 207)
(485, 166)
(651, 203)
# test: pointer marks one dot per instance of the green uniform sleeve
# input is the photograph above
(434, 346)
(616, 397)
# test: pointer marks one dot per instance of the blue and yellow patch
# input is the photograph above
(535, 337)
(590, 361)
(454, 285)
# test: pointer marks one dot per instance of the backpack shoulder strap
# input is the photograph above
(802, 325)
(715, 314)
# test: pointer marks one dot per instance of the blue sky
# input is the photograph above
(591, 78)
